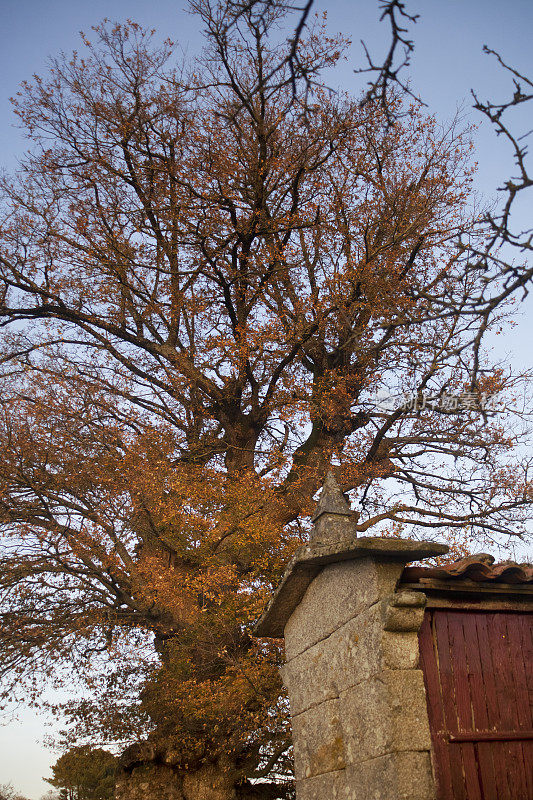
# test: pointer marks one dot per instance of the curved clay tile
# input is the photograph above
(479, 568)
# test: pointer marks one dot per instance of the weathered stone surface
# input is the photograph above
(323, 787)
(350, 655)
(404, 619)
(396, 776)
(157, 781)
(404, 611)
(408, 600)
(358, 644)
(337, 594)
(209, 783)
(333, 519)
(355, 652)
(318, 741)
(149, 781)
(140, 752)
(309, 678)
(414, 776)
(386, 714)
(400, 650)
(407, 698)
(331, 500)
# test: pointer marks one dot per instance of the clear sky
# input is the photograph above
(447, 63)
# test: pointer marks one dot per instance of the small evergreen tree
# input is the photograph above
(84, 773)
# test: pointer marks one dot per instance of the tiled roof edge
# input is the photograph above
(480, 568)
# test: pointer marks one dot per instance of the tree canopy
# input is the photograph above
(7, 792)
(217, 279)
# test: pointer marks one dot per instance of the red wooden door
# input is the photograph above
(478, 670)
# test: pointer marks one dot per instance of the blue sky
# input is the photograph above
(447, 63)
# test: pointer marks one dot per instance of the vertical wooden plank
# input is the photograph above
(523, 713)
(520, 665)
(522, 631)
(504, 684)
(484, 626)
(479, 703)
(525, 627)
(506, 701)
(505, 675)
(514, 751)
(429, 666)
(463, 702)
(527, 748)
(449, 703)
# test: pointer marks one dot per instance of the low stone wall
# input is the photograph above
(358, 704)
(145, 780)
(148, 781)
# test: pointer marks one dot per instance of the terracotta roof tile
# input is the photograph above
(479, 568)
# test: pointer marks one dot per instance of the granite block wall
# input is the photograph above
(358, 705)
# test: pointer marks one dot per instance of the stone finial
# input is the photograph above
(331, 500)
(333, 519)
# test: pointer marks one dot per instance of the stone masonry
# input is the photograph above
(357, 697)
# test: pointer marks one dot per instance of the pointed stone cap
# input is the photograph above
(332, 499)
(333, 519)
